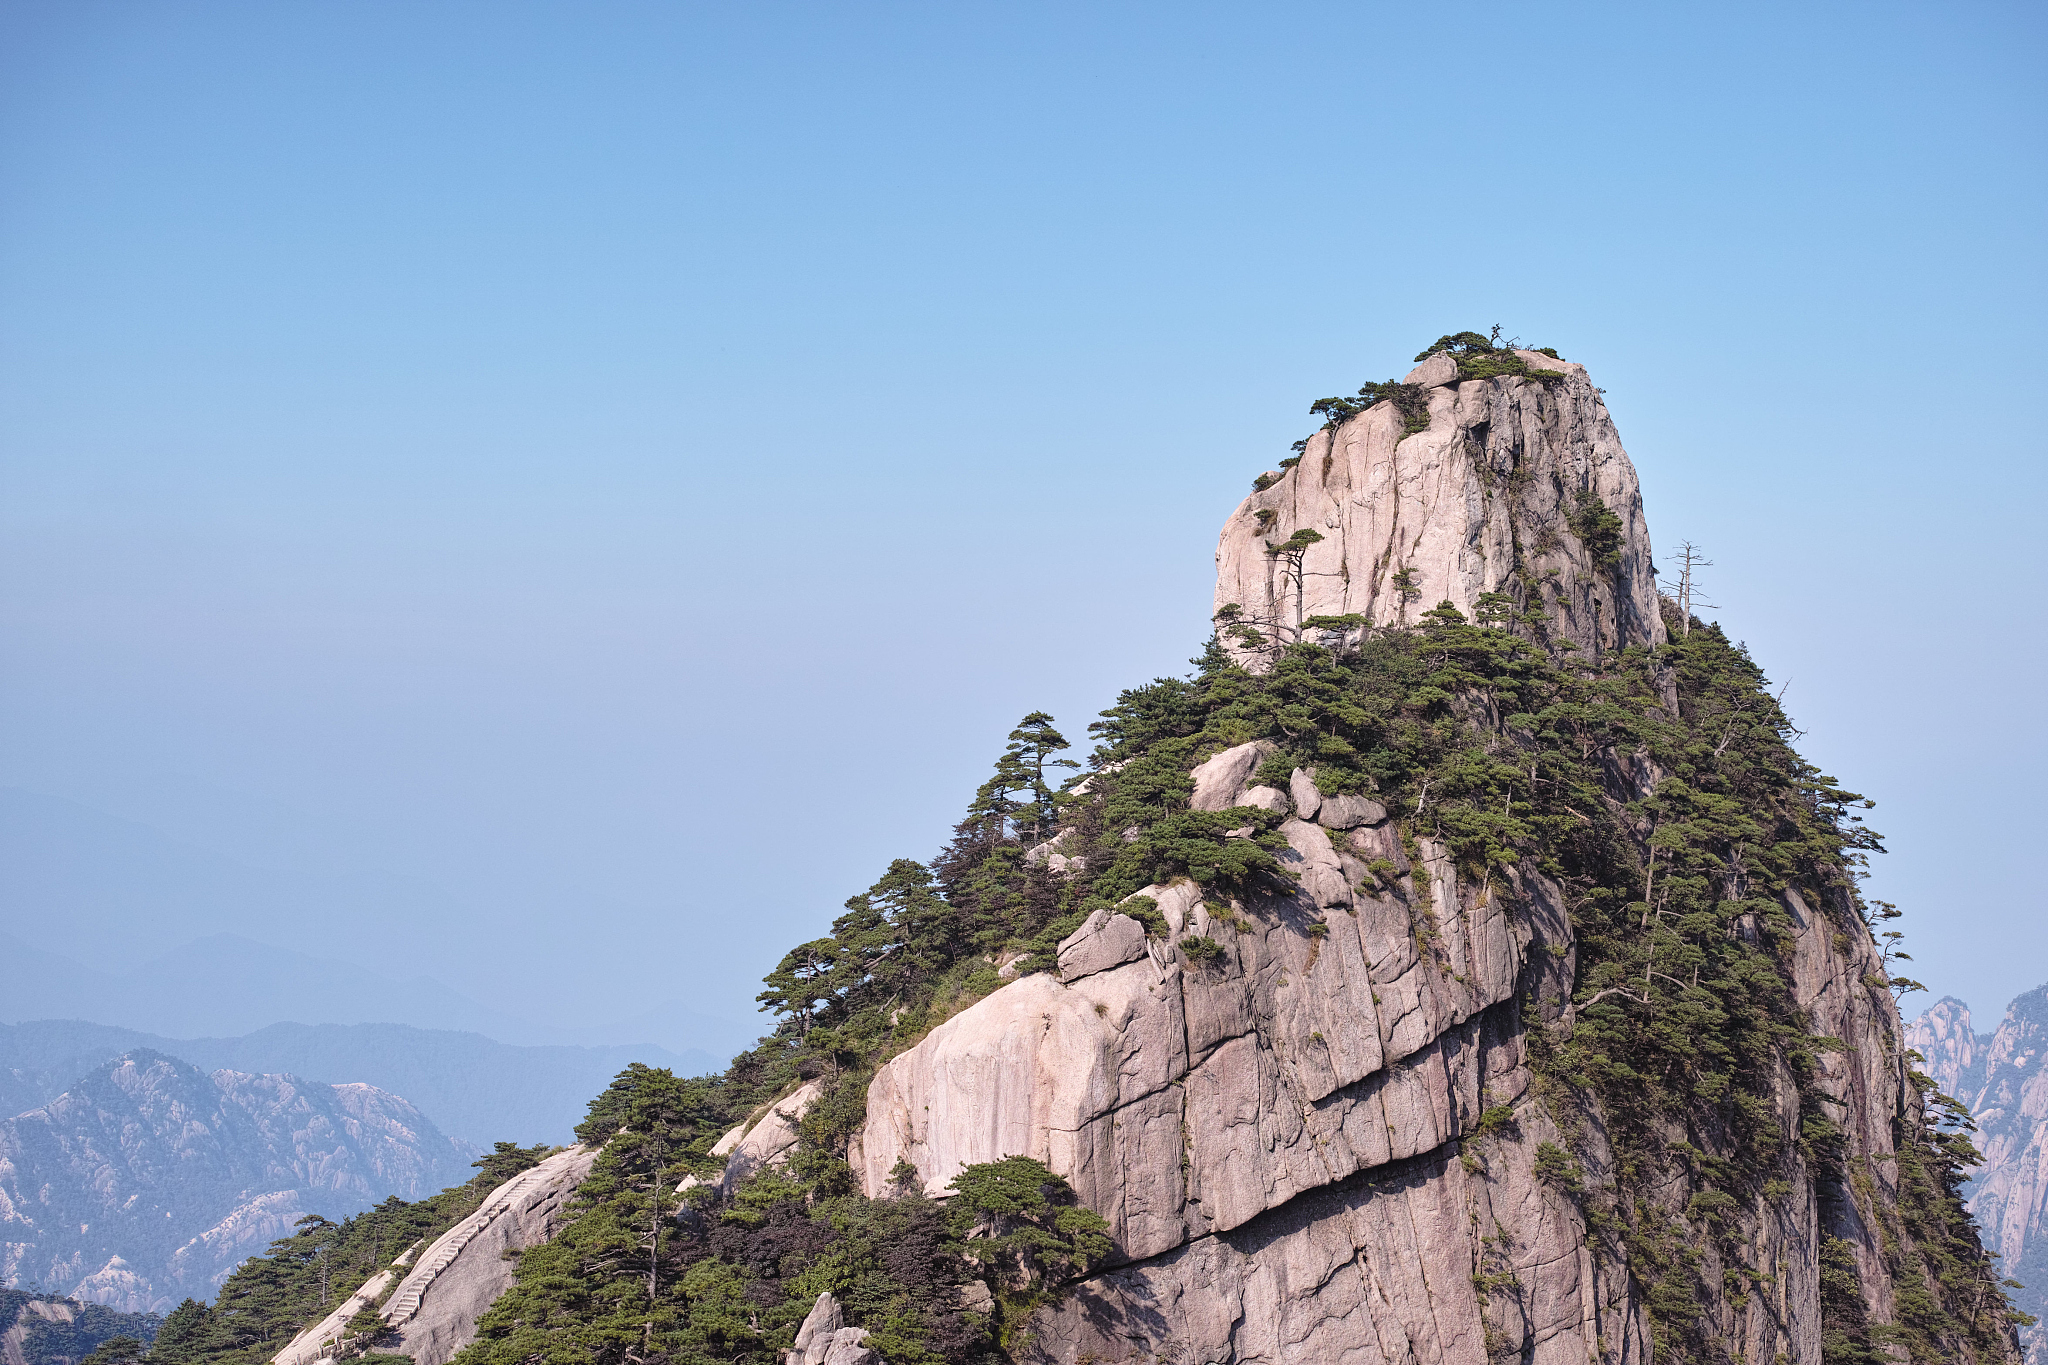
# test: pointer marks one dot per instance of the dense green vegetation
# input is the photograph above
(271, 1298)
(735, 1280)
(624, 1283)
(96, 1332)
(1473, 733)
(1488, 357)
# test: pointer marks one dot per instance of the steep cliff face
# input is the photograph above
(1274, 1137)
(1498, 493)
(149, 1180)
(2003, 1079)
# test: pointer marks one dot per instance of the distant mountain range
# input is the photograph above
(476, 1089)
(181, 943)
(149, 1180)
(2003, 1077)
(224, 985)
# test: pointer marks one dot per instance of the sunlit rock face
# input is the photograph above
(1488, 498)
(1321, 1137)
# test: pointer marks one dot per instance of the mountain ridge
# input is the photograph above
(225, 985)
(470, 1086)
(1403, 985)
(148, 1180)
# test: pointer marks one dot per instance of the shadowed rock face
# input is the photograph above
(1484, 500)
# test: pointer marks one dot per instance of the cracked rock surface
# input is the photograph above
(1274, 1138)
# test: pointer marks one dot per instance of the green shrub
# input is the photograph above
(1145, 911)
(1494, 1119)
(1557, 1168)
(1488, 357)
(1597, 528)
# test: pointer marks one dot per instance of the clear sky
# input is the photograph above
(554, 497)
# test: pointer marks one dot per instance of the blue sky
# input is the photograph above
(556, 497)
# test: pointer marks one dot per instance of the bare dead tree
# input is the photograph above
(1686, 591)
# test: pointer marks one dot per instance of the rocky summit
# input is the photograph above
(1490, 485)
(1458, 965)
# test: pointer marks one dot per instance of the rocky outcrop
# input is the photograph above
(435, 1308)
(15, 1348)
(41, 1329)
(824, 1339)
(1485, 499)
(1947, 1044)
(766, 1139)
(1288, 1143)
(1275, 1138)
(1335, 1117)
(2003, 1078)
(150, 1180)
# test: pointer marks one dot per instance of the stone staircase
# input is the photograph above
(449, 1245)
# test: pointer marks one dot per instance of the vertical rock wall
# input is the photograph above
(1292, 1148)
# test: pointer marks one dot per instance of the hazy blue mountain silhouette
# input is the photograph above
(149, 1179)
(471, 1087)
(107, 919)
(225, 986)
